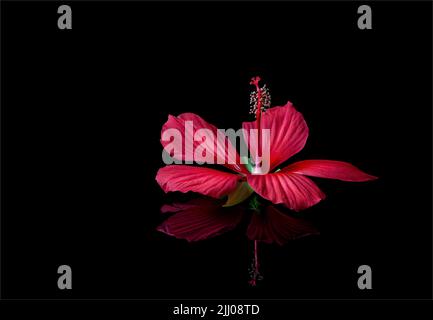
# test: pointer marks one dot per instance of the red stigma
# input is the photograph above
(255, 81)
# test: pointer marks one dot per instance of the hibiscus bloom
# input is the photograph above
(203, 218)
(289, 186)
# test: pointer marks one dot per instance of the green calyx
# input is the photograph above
(255, 204)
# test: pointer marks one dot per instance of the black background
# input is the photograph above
(82, 111)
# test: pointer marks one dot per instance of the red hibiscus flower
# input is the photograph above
(287, 134)
(289, 186)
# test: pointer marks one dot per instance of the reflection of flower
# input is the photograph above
(203, 218)
(288, 186)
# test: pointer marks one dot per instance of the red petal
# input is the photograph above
(198, 222)
(206, 181)
(275, 226)
(223, 153)
(288, 131)
(329, 169)
(293, 190)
